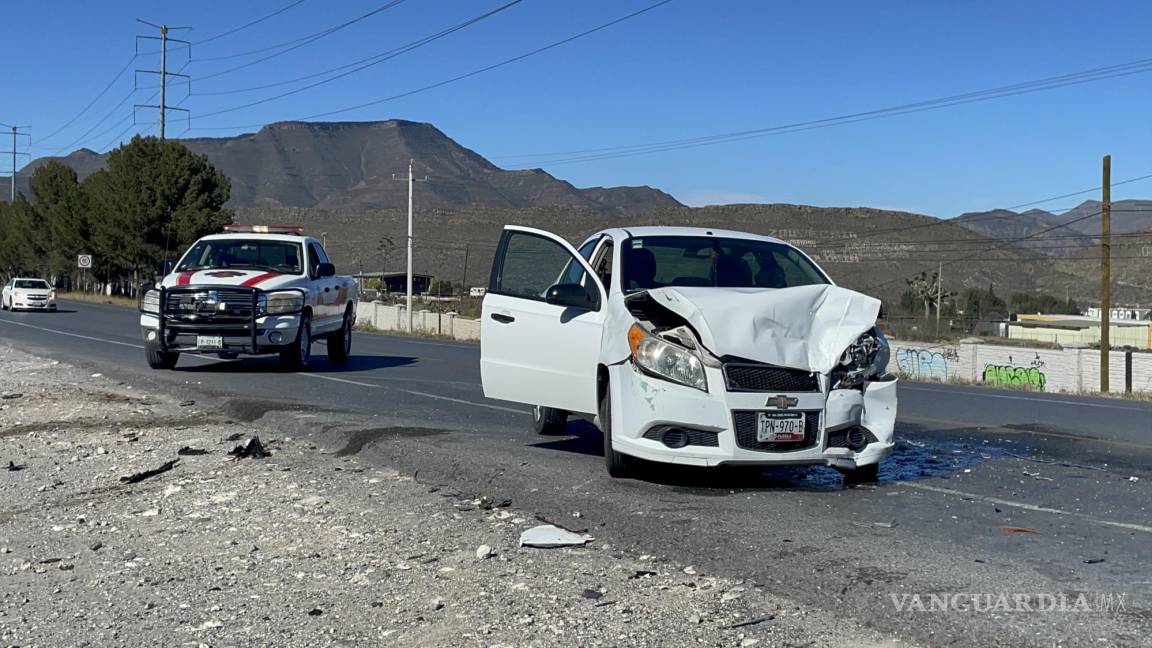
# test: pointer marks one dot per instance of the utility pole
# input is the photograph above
(939, 295)
(464, 274)
(411, 180)
(15, 151)
(1105, 271)
(163, 72)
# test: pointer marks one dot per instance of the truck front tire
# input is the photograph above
(296, 356)
(158, 359)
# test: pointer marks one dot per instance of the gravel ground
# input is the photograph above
(306, 547)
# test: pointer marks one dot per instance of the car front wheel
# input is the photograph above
(158, 359)
(297, 355)
(618, 464)
(548, 420)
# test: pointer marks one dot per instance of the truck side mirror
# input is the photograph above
(326, 270)
(164, 268)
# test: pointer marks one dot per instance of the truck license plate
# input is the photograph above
(209, 342)
(779, 426)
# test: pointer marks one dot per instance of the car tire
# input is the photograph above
(340, 344)
(297, 355)
(548, 420)
(618, 464)
(158, 359)
(861, 474)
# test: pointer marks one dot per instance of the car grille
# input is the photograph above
(766, 378)
(37, 297)
(693, 437)
(853, 437)
(744, 423)
(215, 305)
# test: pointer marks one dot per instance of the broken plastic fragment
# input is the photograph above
(145, 474)
(252, 449)
(548, 536)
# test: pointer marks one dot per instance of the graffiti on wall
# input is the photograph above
(1009, 375)
(925, 364)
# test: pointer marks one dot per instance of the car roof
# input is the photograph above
(29, 279)
(664, 230)
(249, 236)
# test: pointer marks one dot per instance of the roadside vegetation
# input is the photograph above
(154, 198)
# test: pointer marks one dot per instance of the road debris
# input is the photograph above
(187, 403)
(11, 395)
(145, 474)
(484, 551)
(550, 536)
(15, 467)
(250, 449)
(1036, 475)
(189, 451)
(1094, 561)
(1012, 529)
(752, 622)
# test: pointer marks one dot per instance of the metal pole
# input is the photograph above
(1105, 272)
(411, 187)
(464, 275)
(163, 75)
(13, 165)
(939, 294)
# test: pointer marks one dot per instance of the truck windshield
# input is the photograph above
(243, 254)
(658, 261)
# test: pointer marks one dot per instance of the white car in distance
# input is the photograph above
(26, 293)
(689, 346)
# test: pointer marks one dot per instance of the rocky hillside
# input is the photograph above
(351, 164)
(1070, 232)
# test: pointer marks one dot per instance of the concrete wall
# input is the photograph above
(393, 318)
(1137, 336)
(1067, 370)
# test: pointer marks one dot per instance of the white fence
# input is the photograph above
(386, 317)
(1066, 370)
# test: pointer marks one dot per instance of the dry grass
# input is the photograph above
(115, 300)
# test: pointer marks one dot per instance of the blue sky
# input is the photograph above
(686, 69)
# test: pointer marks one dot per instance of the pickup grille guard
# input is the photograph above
(240, 311)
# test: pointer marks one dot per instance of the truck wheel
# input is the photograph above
(297, 355)
(861, 475)
(616, 463)
(547, 420)
(340, 345)
(158, 359)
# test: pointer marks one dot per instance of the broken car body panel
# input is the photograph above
(752, 374)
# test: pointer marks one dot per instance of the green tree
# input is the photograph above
(154, 199)
(60, 212)
(21, 251)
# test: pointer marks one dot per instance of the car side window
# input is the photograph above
(603, 264)
(532, 264)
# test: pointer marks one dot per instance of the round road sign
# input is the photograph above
(84, 261)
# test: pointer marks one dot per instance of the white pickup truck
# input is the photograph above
(254, 290)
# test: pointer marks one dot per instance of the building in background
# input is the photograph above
(1084, 329)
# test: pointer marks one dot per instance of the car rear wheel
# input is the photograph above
(618, 464)
(861, 474)
(297, 355)
(158, 359)
(340, 345)
(547, 420)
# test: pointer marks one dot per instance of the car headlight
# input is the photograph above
(151, 302)
(52, 295)
(865, 358)
(280, 303)
(667, 360)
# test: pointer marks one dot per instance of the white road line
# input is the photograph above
(465, 402)
(1029, 507)
(75, 335)
(1026, 398)
(416, 393)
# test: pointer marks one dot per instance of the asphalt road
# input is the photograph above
(989, 493)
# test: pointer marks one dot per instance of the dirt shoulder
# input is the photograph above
(305, 547)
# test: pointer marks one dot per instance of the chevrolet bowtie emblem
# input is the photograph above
(782, 402)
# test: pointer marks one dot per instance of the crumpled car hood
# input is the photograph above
(805, 327)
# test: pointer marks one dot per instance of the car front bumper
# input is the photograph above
(33, 304)
(845, 428)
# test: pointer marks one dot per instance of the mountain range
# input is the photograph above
(332, 165)
(1060, 234)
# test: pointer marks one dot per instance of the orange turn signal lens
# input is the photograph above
(636, 334)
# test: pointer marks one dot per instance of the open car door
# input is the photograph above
(543, 318)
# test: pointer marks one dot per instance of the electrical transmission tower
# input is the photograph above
(15, 130)
(163, 72)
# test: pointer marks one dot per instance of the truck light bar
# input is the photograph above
(266, 229)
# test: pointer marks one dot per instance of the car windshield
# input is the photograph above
(32, 284)
(658, 261)
(243, 254)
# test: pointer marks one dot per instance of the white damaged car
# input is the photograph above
(689, 346)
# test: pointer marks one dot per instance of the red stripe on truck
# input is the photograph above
(258, 279)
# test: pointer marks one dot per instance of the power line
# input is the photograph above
(1076, 78)
(295, 44)
(250, 24)
(467, 75)
(99, 96)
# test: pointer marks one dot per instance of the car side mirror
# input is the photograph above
(326, 270)
(572, 295)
